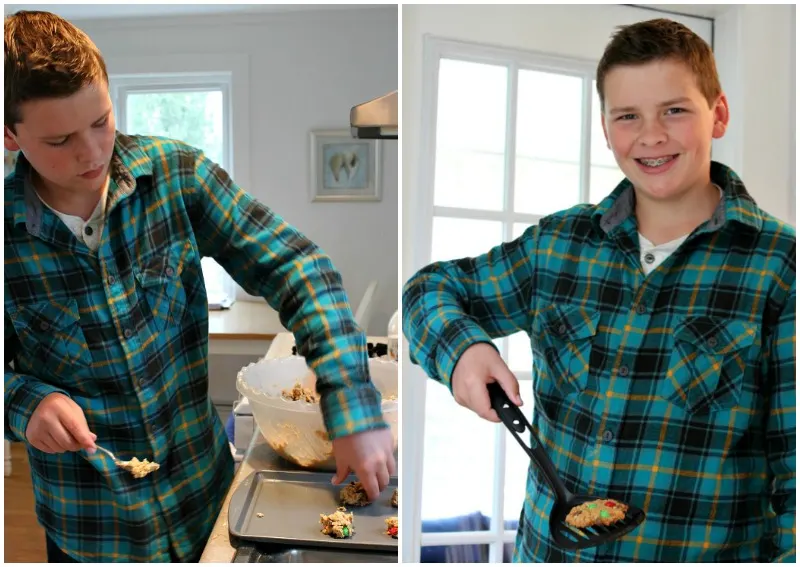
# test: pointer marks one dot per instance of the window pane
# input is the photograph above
(520, 357)
(603, 180)
(548, 142)
(469, 179)
(517, 462)
(604, 174)
(193, 117)
(546, 187)
(458, 465)
(519, 228)
(458, 238)
(470, 135)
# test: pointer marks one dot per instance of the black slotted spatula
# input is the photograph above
(564, 535)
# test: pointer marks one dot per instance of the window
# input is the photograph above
(194, 109)
(517, 137)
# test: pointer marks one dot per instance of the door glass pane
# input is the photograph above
(193, 117)
(517, 462)
(604, 174)
(547, 175)
(458, 238)
(470, 135)
(458, 465)
(520, 357)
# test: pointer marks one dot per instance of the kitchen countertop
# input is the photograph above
(245, 320)
(259, 456)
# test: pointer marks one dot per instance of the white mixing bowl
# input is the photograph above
(295, 429)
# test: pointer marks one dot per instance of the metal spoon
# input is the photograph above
(138, 469)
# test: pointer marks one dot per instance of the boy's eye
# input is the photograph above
(57, 144)
(675, 110)
(627, 117)
(102, 123)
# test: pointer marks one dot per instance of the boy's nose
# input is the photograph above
(652, 133)
(89, 152)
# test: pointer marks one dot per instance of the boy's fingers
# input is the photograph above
(369, 481)
(480, 403)
(342, 470)
(383, 477)
(61, 439)
(508, 382)
(78, 428)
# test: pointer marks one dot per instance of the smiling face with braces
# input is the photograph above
(659, 126)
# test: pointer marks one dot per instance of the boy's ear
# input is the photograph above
(9, 140)
(721, 116)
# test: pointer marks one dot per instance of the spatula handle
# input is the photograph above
(513, 418)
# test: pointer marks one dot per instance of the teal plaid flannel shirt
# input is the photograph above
(124, 333)
(674, 392)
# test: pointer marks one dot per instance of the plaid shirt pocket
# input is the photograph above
(50, 334)
(161, 284)
(566, 336)
(707, 363)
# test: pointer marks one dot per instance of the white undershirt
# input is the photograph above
(652, 256)
(79, 227)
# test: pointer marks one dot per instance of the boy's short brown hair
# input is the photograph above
(46, 57)
(659, 39)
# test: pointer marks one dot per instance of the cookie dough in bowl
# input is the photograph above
(291, 420)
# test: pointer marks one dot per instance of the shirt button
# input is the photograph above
(649, 258)
(88, 230)
(562, 329)
(112, 280)
(623, 371)
(712, 342)
(169, 271)
(608, 436)
(641, 309)
(44, 326)
(128, 333)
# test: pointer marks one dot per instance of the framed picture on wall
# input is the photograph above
(344, 168)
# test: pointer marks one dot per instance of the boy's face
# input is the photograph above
(68, 141)
(656, 112)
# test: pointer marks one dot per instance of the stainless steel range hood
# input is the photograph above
(376, 119)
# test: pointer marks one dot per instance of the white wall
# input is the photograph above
(754, 48)
(306, 70)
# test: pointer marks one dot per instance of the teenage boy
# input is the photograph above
(106, 315)
(662, 323)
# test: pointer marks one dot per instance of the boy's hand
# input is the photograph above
(58, 425)
(370, 455)
(479, 366)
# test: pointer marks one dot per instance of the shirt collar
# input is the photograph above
(736, 206)
(128, 163)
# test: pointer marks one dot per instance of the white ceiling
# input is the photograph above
(706, 10)
(103, 11)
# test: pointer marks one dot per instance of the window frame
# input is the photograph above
(434, 50)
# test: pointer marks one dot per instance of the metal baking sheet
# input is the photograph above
(292, 502)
